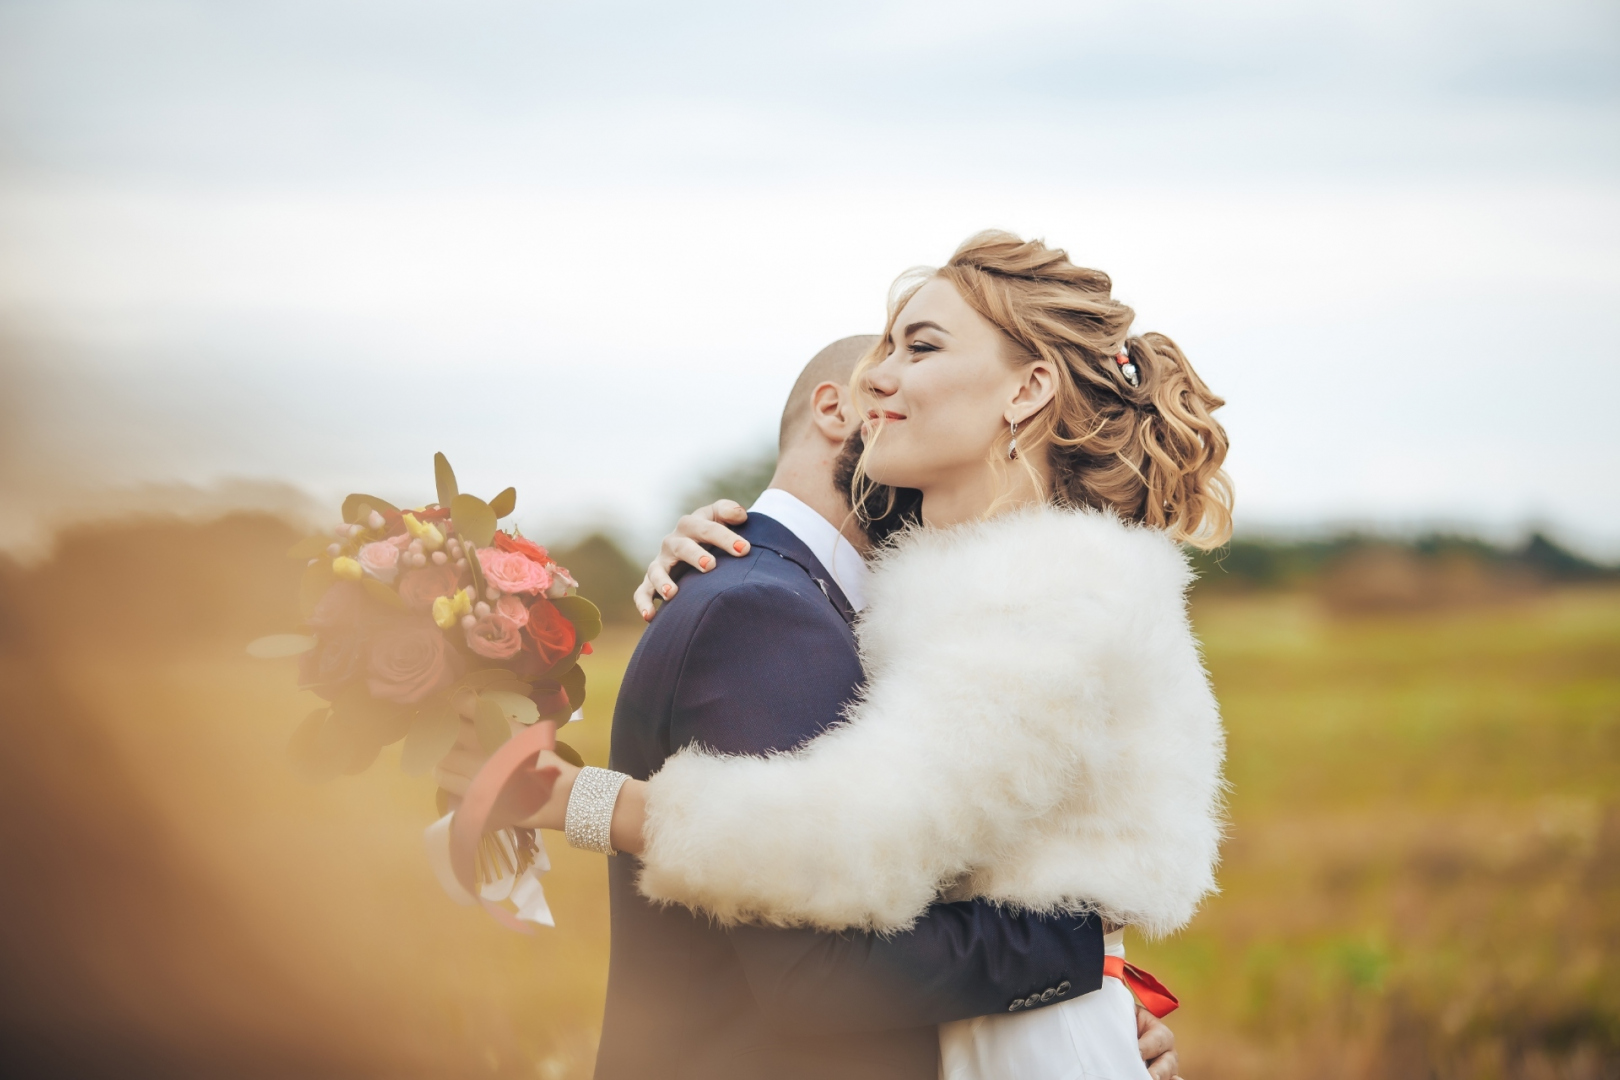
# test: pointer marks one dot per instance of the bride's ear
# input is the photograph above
(1038, 388)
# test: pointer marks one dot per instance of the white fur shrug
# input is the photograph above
(1037, 729)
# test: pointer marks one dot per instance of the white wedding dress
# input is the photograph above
(1092, 1037)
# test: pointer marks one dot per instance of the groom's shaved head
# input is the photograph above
(833, 364)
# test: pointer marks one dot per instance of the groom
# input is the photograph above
(757, 656)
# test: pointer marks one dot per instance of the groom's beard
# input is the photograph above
(882, 516)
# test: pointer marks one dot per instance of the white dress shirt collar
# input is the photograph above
(838, 555)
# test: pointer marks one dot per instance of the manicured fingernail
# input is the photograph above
(669, 591)
(739, 547)
(705, 562)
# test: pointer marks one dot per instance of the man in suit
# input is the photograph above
(757, 655)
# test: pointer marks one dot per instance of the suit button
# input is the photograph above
(1064, 987)
(1018, 1003)
(1049, 993)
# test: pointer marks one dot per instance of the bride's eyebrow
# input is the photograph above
(926, 325)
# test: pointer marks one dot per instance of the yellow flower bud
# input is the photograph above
(431, 536)
(448, 610)
(346, 568)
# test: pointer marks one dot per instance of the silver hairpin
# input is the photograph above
(1127, 368)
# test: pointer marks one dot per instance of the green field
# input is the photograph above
(1422, 877)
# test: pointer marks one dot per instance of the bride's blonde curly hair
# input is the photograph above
(1151, 452)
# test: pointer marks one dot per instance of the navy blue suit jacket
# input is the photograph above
(754, 656)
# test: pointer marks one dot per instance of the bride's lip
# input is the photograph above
(873, 414)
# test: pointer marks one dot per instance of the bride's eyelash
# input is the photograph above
(923, 346)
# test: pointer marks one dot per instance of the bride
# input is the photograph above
(1036, 727)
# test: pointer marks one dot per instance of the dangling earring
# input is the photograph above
(1012, 448)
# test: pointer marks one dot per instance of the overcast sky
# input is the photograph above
(585, 247)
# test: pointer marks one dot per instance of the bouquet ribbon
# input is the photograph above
(509, 787)
(1149, 992)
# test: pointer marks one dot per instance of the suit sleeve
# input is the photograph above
(744, 692)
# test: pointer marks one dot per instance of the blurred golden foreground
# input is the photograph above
(1423, 876)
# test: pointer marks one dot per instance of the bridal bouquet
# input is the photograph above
(417, 619)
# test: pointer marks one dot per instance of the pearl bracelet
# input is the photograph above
(588, 822)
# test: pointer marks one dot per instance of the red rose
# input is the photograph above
(503, 542)
(553, 634)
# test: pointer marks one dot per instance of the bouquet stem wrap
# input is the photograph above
(508, 788)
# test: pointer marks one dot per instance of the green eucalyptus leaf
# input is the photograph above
(552, 702)
(585, 616)
(358, 507)
(316, 580)
(555, 671)
(473, 518)
(569, 754)
(517, 708)
(310, 547)
(573, 684)
(475, 570)
(504, 503)
(445, 478)
(275, 646)
(490, 723)
(490, 678)
(382, 593)
(432, 734)
(308, 751)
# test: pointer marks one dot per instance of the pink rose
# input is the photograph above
(380, 560)
(511, 607)
(410, 660)
(420, 587)
(494, 637)
(513, 572)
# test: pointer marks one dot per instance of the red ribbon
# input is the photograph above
(508, 788)
(1149, 992)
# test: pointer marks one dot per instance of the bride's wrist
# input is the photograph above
(629, 816)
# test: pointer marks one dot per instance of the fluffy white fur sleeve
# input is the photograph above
(1037, 729)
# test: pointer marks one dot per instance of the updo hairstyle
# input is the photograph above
(1152, 453)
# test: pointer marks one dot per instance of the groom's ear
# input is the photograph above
(832, 412)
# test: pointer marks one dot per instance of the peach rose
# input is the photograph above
(420, 587)
(380, 560)
(513, 572)
(410, 660)
(511, 607)
(523, 546)
(494, 637)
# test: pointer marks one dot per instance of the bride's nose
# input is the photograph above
(881, 382)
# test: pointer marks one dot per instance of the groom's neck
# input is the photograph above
(806, 472)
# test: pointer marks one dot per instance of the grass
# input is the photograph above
(1423, 873)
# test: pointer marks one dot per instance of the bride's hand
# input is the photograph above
(455, 774)
(706, 525)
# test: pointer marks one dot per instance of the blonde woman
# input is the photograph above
(1036, 728)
